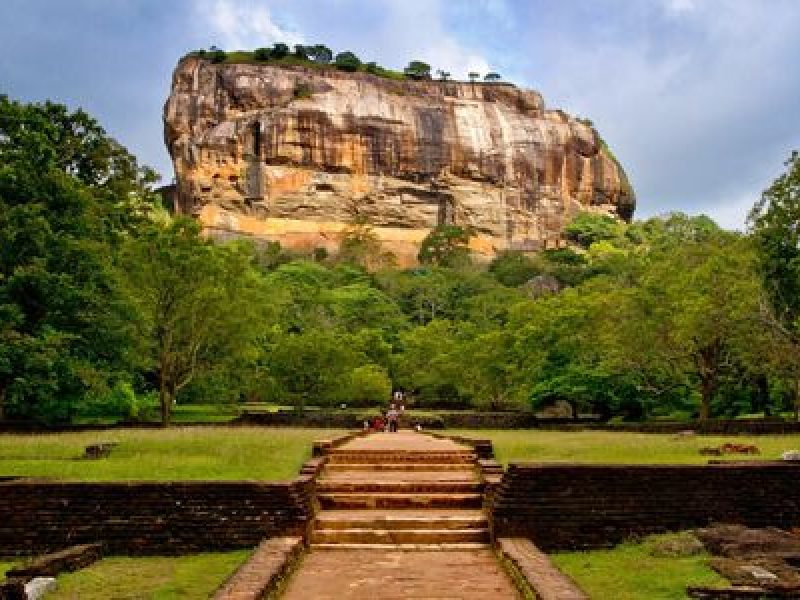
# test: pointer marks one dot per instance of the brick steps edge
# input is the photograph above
(261, 576)
(537, 572)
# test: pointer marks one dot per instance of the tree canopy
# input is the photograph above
(108, 305)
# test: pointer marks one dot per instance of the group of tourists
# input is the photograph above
(391, 420)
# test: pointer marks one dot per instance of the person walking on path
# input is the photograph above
(391, 416)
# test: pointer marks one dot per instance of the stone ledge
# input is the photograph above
(50, 565)
(262, 573)
(542, 577)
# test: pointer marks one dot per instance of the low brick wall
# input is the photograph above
(442, 420)
(51, 565)
(590, 506)
(711, 427)
(38, 516)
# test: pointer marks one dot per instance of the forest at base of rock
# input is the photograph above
(111, 306)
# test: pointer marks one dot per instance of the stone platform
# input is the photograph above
(402, 518)
(395, 575)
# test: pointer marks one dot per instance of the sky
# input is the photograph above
(698, 99)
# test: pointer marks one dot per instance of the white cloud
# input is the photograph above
(699, 111)
(679, 7)
(243, 24)
(417, 29)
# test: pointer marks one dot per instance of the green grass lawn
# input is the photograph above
(6, 563)
(614, 447)
(177, 453)
(631, 572)
(153, 578)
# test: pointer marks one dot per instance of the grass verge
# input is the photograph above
(617, 447)
(212, 453)
(632, 572)
(7, 563)
(152, 577)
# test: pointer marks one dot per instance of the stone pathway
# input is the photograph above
(386, 574)
(401, 518)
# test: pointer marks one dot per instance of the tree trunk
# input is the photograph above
(762, 394)
(797, 400)
(574, 407)
(165, 399)
(706, 394)
(2, 403)
(708, 363)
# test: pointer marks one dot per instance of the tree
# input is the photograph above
(301, 51)
(587, 228)
(417, 69)
(492, 77)
(262, 54)
(320, 53)
(473, 76)
(694, 307)
(347, 61)
(280, 50)
(360, 245)
(217, 55)
(359, 305)
(490, 373)
(428, 365)
(446, 246)
(310, 367)
(68, 194)
(775, 224)
(367, 385)
(443, 75)
(196, 303)
(513, 268)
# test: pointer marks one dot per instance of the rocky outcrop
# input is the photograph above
(295, 154)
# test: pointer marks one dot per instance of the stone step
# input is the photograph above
(377, 467)
(371, 500)
(409, 487)
(404, 547)
(386, 476)
(399, 536)
(380, 458)
(401, 519)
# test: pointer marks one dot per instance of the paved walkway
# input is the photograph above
(395, 575)
(403, 441)
(401, 518)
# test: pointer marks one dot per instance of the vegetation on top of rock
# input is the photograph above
(321, 56)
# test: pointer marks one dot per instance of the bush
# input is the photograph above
(280, 50)
(367, 385)
(302, 90)
(347, 61)
(262, 54)
(588, 228)
(217, 56)
(417, 69)
(513, 268)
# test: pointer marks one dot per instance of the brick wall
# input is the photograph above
(150, 517)
(591, 506)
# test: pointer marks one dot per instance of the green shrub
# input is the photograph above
(262, 54)
(347, 61)
(302, 90)
(280, 50)
(367, 385)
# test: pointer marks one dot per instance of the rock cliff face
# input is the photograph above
(296, 154)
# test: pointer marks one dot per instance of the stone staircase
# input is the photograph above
(426, 496)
